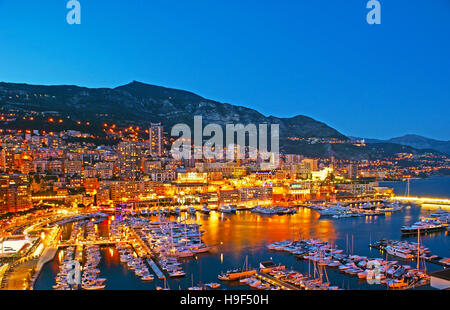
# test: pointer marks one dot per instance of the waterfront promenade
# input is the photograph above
(438, 202)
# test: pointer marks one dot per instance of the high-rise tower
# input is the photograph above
(156, 139)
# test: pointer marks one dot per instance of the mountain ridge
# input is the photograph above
(140, 103)
(416, 141)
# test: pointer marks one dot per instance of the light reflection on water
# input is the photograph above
(247, 234)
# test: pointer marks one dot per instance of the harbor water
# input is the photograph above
(246, 234)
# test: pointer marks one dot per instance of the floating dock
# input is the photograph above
(271, 280)
(156, 270)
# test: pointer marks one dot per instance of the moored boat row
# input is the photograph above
(324, 254)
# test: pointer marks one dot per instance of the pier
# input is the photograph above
(96, 242)
(48, 255)
(156, 270)
(439, 202)
(271, 280)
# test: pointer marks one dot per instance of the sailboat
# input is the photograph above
(238, 273)
(194, 288)
(165, 288)
(420, 277)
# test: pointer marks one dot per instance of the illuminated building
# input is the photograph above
(299, 191)
(75, 182)
(358, 189)
(263, 175)
(229, 196)
(311, 164)
(129, 190)
(215, 176)
(105, 170)
(4, 184)
(162, 175)
(89, 172)
(352, 171)
(103, 195)
(151, 165)
(6, 159)
(228, 169)
(192, 177)
(373, 174)
(255, 193)
(40, 166)
(321, 174)
(90, 184)
(292, 158)
(15, 193)
(72, 167)
(156, 140)
(130, 154)
(56, 167)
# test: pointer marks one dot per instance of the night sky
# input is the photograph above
(283, 58)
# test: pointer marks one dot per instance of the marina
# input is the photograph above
(230, 148)
(323, 254)
(244, 233)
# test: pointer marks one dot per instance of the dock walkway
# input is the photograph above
(156, 270)
(283, 285)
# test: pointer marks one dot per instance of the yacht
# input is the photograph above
(213, 285)
(426, 225)
(397, 251)
(227, 209)
(205, 209)
(178, 273)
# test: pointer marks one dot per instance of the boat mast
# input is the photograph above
(418, 248)
(309, 267)
(346, 244)
(326, 274)
(245, 267)
(407, 187)
(352, 243)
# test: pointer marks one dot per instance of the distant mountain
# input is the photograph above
(419, 142)
(416, 142)
(139, 103)
(143, 103)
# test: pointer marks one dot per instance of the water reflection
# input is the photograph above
(247, 234)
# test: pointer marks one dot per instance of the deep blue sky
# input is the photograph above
(283, 58)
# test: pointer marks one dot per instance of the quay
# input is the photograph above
(271, 280)
(441, 261)
(48, 255)
(156, 270)
(347, 202)
(149, 253)
(97, 242)
(438, 202)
